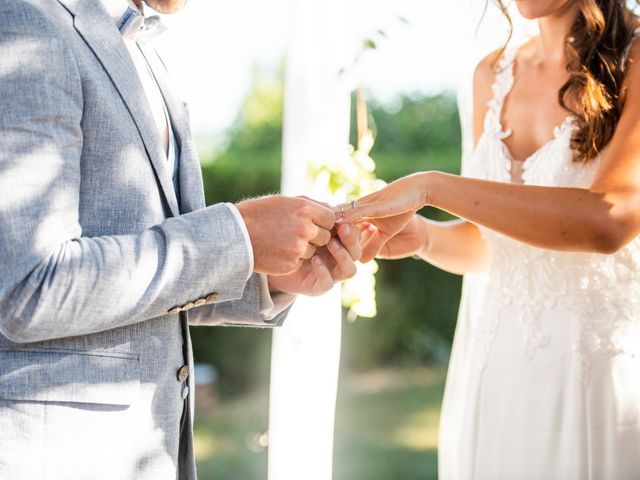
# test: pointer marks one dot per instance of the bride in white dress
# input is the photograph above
(544, 381)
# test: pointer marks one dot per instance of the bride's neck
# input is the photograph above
(553, 33)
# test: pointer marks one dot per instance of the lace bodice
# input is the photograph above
(600, 293)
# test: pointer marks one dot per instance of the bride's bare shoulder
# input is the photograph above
(490, 65)
(486, 70)
(482, 80)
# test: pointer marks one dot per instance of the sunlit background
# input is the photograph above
(215, 50)
(229, 61)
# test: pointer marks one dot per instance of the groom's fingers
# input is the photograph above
(321, 237)
(310, 252)
(318, 202)
(345, 267)
(323, 281)
(321, 215)
(350, 238)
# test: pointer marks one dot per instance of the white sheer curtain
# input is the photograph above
(306, 350)
(305, 357)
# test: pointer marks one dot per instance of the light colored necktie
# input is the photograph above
(135, 26)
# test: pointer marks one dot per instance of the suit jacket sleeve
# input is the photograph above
(245, 312)
(54, 282)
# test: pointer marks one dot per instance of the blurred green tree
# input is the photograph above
(417, 303)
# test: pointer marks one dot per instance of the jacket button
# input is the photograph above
(183, 373)
(213, 297)
(175, 310)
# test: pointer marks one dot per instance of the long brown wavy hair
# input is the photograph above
(595, 48)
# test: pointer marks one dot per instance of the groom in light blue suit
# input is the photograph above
(107, 251)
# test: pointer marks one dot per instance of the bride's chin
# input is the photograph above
(535, 9)
(530, 10)
(528, 15)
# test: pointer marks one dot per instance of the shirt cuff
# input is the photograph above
(272, 305)
(245, 233)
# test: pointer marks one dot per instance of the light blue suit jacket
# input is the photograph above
(101, 263)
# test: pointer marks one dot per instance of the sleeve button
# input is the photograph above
(199, 302)
(187, 306)
(175, 310)
(212, 298)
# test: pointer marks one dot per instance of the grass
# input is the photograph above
(386, 428)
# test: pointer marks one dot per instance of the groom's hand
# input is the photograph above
(285, 232)
(331, 264)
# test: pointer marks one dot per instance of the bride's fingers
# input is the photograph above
(342, 208)
(372, 248)
(361, 211)
(367, 230)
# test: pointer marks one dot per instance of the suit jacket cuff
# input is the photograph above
(245, 233)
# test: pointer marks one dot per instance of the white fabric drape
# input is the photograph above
(305, 357)
(306, 350)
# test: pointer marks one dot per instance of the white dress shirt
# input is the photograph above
(270, 305)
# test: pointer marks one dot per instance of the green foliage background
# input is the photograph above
(417, 303)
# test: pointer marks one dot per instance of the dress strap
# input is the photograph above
(502, 85)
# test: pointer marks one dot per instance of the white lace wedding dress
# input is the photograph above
(544, 378)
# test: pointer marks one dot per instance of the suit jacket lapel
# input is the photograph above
(102, 36)
(190, 175)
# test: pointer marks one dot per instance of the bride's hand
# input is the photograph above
(389, 211)
(377, 232)
(406, 195)
(409, 241)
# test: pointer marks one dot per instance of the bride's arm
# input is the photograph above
(598, 220)
(455, 246)
(602, 218)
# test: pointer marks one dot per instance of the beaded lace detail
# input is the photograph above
(598, 295)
